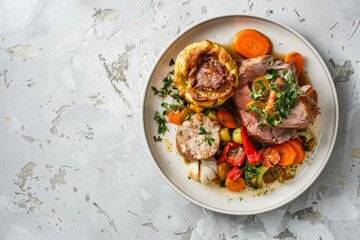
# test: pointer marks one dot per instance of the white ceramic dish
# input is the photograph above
(221, 30)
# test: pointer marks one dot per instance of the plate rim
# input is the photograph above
(332, 86)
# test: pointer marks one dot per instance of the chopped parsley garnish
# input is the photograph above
(203, 131)
(170, 107)
(256, 94)
(209, 141)
(286, 97)
(189, 116)
(172, 62)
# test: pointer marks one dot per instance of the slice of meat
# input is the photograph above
(251, 68)
(198, 138)
(242, 96)
(254, 67)
(209, 74)
(305, 110)
(265, 134)
(310, 92)
(303, 113)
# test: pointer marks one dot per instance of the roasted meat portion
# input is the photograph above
(301, 115)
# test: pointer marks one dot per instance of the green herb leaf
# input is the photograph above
(256, 94)
(286, 97)
(203, 131)
(157, 139)
(161, 121)
(189, 116)
(209, 141)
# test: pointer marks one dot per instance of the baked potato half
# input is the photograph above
(205, 74)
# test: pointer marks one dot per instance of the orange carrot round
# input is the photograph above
(296, 59)
(250, 43)
(226, 119)
(174, 117)
(299, 149)
(179, 116)
(235, 186)
(287, 154)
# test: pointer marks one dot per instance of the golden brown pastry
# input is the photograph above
(205, 74)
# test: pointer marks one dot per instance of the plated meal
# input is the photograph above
(245, 118)
(231, 114)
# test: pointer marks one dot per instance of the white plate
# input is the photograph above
(221, 30)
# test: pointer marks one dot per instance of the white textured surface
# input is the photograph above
(73, 164)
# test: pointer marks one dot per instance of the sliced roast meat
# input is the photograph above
(265, 134)
(250, 69)
(310, 92)
(241, 97)
(209, 74)
(254, 67)
(303, 113)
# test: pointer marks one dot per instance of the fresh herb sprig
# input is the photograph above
(209, 141)
(161, 121)
(168, 89)
(286, 97)
(202, 131)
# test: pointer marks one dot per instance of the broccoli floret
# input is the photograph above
(254, 175)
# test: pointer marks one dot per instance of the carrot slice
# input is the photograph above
(287, 154)
(299, 149)
(179, 116)
(296, 59)
(235, 186)
(250, 43)
(174, 117)
(226, 119)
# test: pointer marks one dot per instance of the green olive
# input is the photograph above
(236, 135)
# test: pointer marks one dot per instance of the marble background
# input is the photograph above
(73, 164)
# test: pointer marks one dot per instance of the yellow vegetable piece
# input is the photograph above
(195, 108)
(225, 135)
(236, 135)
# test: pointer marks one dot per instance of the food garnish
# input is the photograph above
(281, 98)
